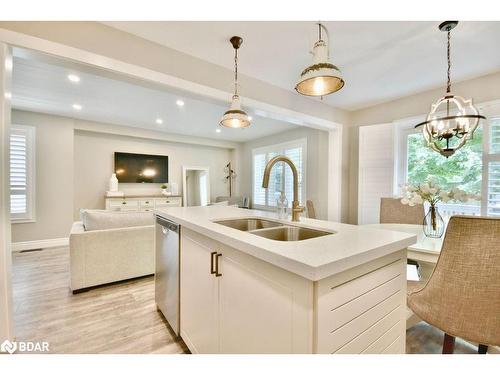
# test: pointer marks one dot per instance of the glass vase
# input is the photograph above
(433, 223)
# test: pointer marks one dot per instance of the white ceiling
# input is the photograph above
(40, 84)
(381, 61)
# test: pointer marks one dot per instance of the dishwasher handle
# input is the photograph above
(167, 225)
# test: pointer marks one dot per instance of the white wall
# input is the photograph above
(94, 154)
(316, 169)
(54, 177)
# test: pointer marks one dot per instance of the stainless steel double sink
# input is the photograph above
(273, 230)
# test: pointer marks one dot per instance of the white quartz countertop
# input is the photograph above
(313, 259)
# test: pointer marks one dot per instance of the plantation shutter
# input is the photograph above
(18, 172)
(493, 187)
(281, 178)
(259, 193)
(376, 170)
(21, 153)
(295, 154)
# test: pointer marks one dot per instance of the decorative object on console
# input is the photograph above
(113, 183)
(113, 187)
(322, 77)
(165, 189)
(235, 117)
(230, 175)
(431, 192)
(452, 119)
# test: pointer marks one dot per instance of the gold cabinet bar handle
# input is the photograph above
(212, 262)
(217, 274)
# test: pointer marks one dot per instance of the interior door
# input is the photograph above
(199, 297)
(255, 311)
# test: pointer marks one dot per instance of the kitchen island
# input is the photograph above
(249, 283)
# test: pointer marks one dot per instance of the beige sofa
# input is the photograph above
(108, 246)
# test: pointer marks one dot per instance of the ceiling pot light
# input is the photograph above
(218, 130)
(322, 77)
(78, 107)
(180, 103)
(452, 119)
(235, 117)
(73, 78)
(159, 121)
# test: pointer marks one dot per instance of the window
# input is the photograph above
(281, 178)
(474, 168)
(22, 152)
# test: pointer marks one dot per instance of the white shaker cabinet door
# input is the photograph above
(199, 297)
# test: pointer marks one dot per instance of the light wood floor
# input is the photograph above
(119, 318)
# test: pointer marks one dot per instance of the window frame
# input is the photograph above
(30, 215)
(280, 148)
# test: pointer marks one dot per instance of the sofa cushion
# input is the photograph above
(102, 219)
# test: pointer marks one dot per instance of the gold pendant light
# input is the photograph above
(452, 119)
(235, 117)
(321, 78)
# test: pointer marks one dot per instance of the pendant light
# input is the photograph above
(321, 78)
(235, 117)
(452, 119)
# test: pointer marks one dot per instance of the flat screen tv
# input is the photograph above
(140, 168)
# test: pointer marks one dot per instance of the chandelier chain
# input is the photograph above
(448, 85)
(235, 72)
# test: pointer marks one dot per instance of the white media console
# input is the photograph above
(142, 203)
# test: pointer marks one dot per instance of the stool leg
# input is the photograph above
(448, 344)
(482, 349)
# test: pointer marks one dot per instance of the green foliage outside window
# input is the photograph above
(463, 169)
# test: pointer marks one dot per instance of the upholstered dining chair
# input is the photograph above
(392, 211)
(462, 296)
(311, 212)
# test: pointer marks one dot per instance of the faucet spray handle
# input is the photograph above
(296, 210)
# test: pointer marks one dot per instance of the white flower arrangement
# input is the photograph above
(431, 192)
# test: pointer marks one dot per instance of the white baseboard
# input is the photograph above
(40, 244)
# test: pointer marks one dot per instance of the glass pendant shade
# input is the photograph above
(235, 117)
(322, 77)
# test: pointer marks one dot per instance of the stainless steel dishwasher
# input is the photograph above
(167, 271)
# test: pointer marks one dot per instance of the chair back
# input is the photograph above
(392, 211)
(462, 296)
(311, 212)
